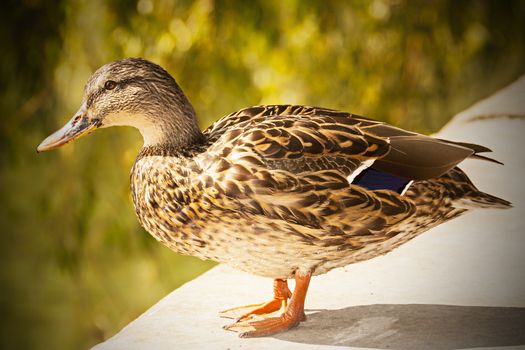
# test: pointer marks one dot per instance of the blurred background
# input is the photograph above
(75, 265)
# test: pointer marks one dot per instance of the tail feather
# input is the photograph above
(482, 200)
(465, 195)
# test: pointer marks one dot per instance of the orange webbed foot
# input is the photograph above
(281, 294)
(293, 314)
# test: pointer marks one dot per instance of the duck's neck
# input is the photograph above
(170, 124)
(170, 131)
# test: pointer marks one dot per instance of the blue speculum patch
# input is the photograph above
(373, 179)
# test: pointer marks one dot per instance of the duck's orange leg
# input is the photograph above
(281, 294)
(291, 317)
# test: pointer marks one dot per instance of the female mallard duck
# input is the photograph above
(280, 191)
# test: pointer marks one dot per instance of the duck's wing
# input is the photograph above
(303, 138)
(297, 139)
(297, 168)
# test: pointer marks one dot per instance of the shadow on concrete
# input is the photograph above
(413, 326)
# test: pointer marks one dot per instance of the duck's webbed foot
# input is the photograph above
(281, 294)
(291, 317)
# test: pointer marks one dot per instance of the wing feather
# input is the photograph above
(327, 139)
(300, 139)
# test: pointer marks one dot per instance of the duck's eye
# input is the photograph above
(110, 85)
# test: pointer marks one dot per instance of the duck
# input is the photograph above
(279, 191)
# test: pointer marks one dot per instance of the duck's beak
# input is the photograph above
(78, 126)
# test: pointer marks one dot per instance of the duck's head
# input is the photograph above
(133, 92)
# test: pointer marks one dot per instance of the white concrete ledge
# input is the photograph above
(460, 285)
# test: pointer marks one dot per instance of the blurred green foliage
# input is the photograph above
(76, 267)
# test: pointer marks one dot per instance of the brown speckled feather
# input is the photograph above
(283, 133)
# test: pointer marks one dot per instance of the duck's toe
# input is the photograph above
(265, 327)
(245, 312)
